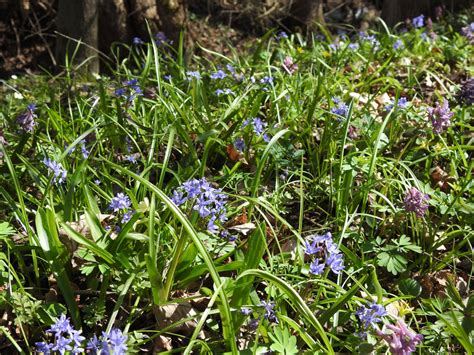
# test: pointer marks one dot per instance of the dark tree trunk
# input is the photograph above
(306, 14)
(394, 11)
(172, 17)
(78, 19)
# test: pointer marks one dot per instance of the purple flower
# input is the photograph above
(370, 315)
(245, 311)
(334, 46)
(311, 248)
(220, 74)
(353, 46)
(370, 39)
(402, 340)
(335, 262)
(281, 35)
(27, 119)
(440, 116)
(416, 201)
(418, 22)
(94, 344)
(127, 216)
(208, 201)
(160, 39)
(468, 32)
(266, 80)
(342, 109)
(193, 74)
(258, 126)
(401, 104)
(220, 92)
(62, 325)
(239, 144)
(120, 202)
(269, 312)
(178, 197)
(62, 345)
(59, 173)
(118, 342)
(466, 95)
(211, 226)
(137, 41)
(398, 44)
(289, 65)
(316, 268)
(84, 151)
(43, 347)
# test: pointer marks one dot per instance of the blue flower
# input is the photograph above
(59, 173)
(269, 311)
(266, 80)
(245, 311)
(316, 268)
(137, 41)
(258, 126)
(239, 144)
(353, 46)
(193, 74)
(342, 109)
(371, 315)
(335, 262)
(418, 21)
(401, 104)
(27, 119)
(43, 347)
(220, 74)
(118, 342)
(160, 39)
(311, 248)
(94, 344)
(281, 35)
(398, 44)
(127, 216)
(120, 202)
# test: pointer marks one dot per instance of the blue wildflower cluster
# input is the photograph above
(371, 314)
(259, 127)
(468, 32)
(130, 90)
(27, 119)
(268, 313)
(398, 44)
(59, 173)
(121, 203)
(208, 201)
(67, 339)
(220, 92)
(193, 74)
(401, 104)
(317, 246)
(418, 21)
(341, 109)
(220, 74)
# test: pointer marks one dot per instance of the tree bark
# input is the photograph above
(307, 13)
(172, 17)
(394, 11)
(78, 19)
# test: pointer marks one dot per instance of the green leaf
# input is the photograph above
(410, 287)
